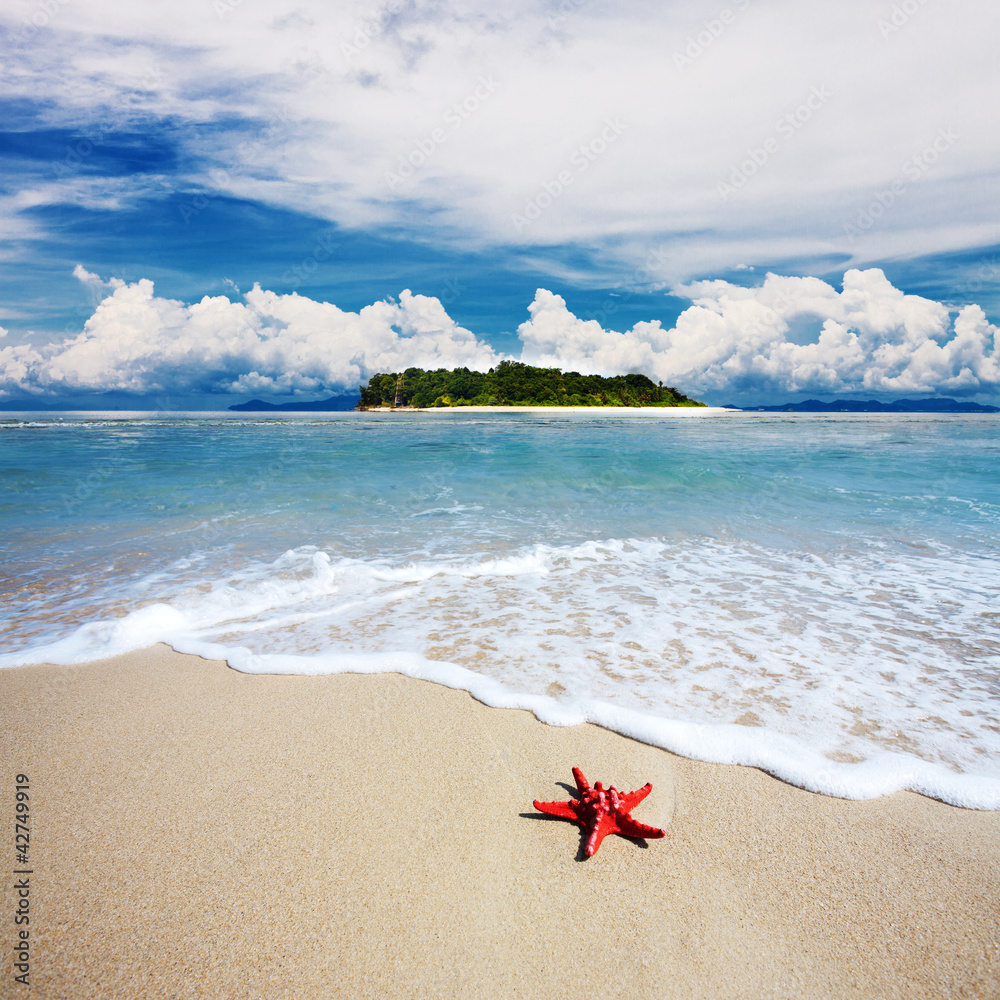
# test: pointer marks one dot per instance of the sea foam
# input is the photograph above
(811, 595)
(810, 670)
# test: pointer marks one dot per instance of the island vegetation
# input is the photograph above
(513, 383)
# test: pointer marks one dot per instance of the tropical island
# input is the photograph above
(513, 383)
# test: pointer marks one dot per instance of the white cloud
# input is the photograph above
(341, 93)
(137, 342)
(17, 369)
(787, 335)
(95, 283)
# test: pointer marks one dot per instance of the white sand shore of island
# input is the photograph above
(198, 832)
(608, 411)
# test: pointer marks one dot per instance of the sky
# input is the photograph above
(207, 201)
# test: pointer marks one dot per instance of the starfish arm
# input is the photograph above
(633, 828)
(604, 826)
(634, 798)
(564, 810)
(581, 782)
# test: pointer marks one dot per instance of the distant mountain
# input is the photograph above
(874, 406)
(334, 403)
(27, 405)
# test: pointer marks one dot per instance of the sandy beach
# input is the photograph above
(197, 832)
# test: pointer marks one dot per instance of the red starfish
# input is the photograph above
(602, 812)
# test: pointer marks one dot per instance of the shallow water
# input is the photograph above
(814, 594)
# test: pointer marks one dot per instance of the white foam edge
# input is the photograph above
(884, 773)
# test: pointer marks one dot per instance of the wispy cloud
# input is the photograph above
(212, 79)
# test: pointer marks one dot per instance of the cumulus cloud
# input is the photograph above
(786, 335)
(95, 284)
(137, 342)
(789, 334)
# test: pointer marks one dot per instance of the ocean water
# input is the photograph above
(816, 595)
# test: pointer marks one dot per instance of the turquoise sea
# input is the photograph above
(817, 595)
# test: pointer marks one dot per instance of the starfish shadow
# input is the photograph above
(580, 855)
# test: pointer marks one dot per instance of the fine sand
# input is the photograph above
(197, 832)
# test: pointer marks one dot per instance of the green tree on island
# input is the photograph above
(513, 383)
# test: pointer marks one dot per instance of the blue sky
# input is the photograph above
(753, 201)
